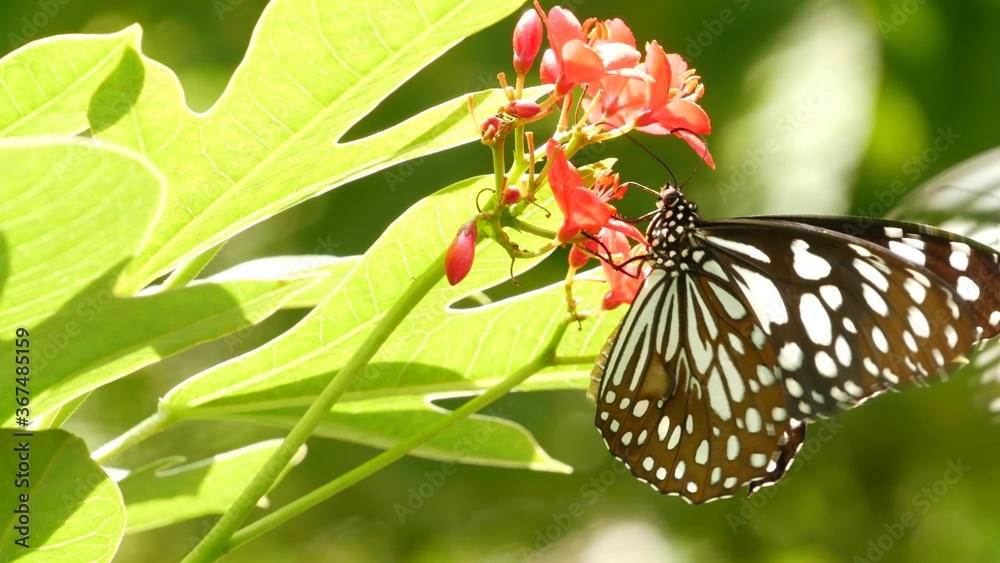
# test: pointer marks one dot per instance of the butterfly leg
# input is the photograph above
(786, 455)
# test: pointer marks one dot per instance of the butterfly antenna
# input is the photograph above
(703, 154)
(673, 178)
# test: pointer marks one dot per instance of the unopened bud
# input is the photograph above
(461, 252)
(577, 258)
(522, 109)
(511, 195)
(527, 41)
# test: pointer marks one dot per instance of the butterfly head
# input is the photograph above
(676, 215)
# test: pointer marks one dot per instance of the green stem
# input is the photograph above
(110, 452)
(213, 545)
(545, 358)
(529, 228)
(190, 269)
(498, 168)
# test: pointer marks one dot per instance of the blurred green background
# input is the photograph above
(819, 106)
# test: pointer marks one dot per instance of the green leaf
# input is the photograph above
(330, 270)
(48, 83)
(167, 492)
(74, 510)
(272, 140)
(97, 337)
(430, 354)
(479, 439)
(72, 215)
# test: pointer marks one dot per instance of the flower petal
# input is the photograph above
(563, 27)
(585, 212)
(549, 70)
(563, 177)
(699, 145)
(658, 67)
(676, 115)
(617, 56)
(581, 63)
(619, 32)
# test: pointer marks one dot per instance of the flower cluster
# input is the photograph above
(596, 68)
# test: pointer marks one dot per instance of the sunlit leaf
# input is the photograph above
(47, 84)
(171, 491)
(72, 509)
(272, 140)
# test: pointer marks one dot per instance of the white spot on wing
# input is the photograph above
(717, 398)
(816, 321)
(871, 274)
(739, 247)
(918, 322)
(967, 289)
(907, 252)
(917, 291)
(831, 294)
(875, 300)
(753, 420)
(764, 298)
(732, 447)
(807, 265)
(825, 365)
(959, 260)
(734, 379)
(790, 357)
(701, 456)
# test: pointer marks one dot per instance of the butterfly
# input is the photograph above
(747, 329)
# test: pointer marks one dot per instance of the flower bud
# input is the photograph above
(527, 41)
(461, 252)
(490, 127)
(577, 258)
(522, 109)
(511, 195)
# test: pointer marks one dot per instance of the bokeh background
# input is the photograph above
(818, 106)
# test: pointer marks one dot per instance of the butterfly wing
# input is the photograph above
(686, 392)
(848, 318)
(968, 267)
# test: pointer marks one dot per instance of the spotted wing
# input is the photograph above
(968, 267)
(686, 393)
(848, 318)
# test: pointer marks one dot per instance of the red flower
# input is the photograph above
(671, 101)
(527, 41)
(582, 209)
(574, 58)
(665, 103)
(624, 278)
(461, 252)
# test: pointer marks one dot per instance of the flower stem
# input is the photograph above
(545, 358)
(154, 424)
(214, 544)
(529, 228)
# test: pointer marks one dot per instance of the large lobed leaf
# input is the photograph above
(272, 139)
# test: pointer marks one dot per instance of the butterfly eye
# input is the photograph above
(669, 196)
